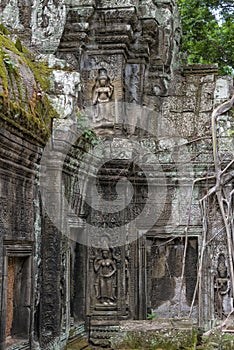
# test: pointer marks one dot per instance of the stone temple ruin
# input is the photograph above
(100, 224)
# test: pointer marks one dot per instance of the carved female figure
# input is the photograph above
(102, 93)
(222, 288)
(105, 269)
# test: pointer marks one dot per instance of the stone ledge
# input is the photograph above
(17, 344)
(200, 69)
(156, 324)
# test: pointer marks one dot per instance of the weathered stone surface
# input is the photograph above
(118, 63)
(18, 168)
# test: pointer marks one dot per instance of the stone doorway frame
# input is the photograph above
(16, 249)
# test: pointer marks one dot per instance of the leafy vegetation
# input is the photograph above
(152, 315)
(88, 134)
(208, 27)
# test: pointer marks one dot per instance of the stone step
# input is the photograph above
(79, 344)
(156, 334)
(156, 324)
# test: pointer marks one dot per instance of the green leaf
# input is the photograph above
(208, 27)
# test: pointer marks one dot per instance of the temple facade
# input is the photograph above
(102, 223)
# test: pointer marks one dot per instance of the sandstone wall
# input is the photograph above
(19, 244)
(51, 251)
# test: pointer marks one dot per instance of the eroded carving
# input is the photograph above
(105, 269)
(222, 286)
(101, 96)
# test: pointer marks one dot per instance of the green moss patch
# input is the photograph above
(160, 340)
(32, 125)
(78, 344)
(40, 69)
(173, 340)
(217, 340)
(23, 100)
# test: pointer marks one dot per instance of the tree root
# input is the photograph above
(223, 178)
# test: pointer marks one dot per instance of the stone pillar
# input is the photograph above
(54, 235)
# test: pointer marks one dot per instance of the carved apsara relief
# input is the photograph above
(222, 288)
(102, 96)
(105, 282)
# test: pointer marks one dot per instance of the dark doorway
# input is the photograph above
(18, 299)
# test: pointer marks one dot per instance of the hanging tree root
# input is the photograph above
(225, 204)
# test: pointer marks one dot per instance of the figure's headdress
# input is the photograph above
(102, 74)
(105, 246)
